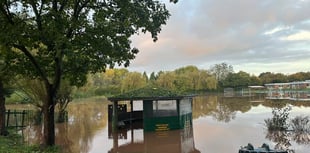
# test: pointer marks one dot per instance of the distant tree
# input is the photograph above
(153, 76)
(166, 80)
(299, 76)
(207, 81)
(187, 78)
(51, 40)
(237, 80)
(254, 80)
(145, 76)
(221, 71)
(279, 78)
(268, 77)
(132, 81)
(265, 77)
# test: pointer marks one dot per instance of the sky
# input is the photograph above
(254, 36)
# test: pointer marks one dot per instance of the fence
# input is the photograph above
(16, 119)
(22, 118)
(19, 118)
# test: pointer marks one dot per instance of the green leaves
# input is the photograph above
(76, 37)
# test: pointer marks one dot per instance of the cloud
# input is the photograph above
(207, 32)
(302, 35)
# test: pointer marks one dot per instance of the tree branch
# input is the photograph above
(37, 14)
(33, 61)
(76, 11)
(5, 10)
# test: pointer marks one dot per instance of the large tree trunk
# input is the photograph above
(2, 111)
(48, 112)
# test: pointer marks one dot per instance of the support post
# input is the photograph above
(115, 117)
(8, 118)
(131, 113)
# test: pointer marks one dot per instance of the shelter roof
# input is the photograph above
(256, 87)
(148, 93)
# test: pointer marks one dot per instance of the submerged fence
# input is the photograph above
(15, 118)
(21, 118)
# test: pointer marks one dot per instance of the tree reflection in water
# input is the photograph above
(297, 131)
(220, 108)
(85, 119)
(223, 113)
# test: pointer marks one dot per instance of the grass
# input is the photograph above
(13, 143)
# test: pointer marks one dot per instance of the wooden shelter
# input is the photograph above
(162, 109)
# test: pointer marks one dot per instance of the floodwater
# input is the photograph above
(220, 125)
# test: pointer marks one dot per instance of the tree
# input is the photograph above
(132, 81)
(51, 40)
(145, 76)
(5, 77)
(237, 80)
(2, 109)
(268, 77)
(153, 76)
(300, 76)
(166, 80)
(221, 71)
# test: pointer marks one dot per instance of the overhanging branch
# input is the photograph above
(33, 61)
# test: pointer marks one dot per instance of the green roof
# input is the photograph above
(148, 93)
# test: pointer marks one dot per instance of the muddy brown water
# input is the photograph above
(220, 125)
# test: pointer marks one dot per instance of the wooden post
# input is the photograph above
(115, 141)
(115, 117)
(131, 112)
(23, 118)
(16, 120)
(115, 126)
(8, 118)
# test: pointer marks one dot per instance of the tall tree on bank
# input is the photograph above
(5, 77)
(221, 71)
(2, 99)
(52, 40)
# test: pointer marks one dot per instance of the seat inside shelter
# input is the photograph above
(161, 110)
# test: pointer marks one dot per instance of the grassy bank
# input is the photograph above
(13, 143)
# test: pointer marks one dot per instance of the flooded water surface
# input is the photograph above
(220, 125)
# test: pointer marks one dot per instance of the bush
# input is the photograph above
(279, 119)
(301, 124)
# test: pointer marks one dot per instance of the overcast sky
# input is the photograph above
(251, 35)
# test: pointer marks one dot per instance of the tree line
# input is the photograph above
(188, 79)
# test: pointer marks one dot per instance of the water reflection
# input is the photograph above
(284, 132)
(175, 141)
(217, 122)
(85, 120)
(285, 139)
(220, 108)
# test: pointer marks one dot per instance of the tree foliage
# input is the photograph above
(52, 40)
(132, 81)
(221, 71)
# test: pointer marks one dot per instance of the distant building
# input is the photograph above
(298, 90)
